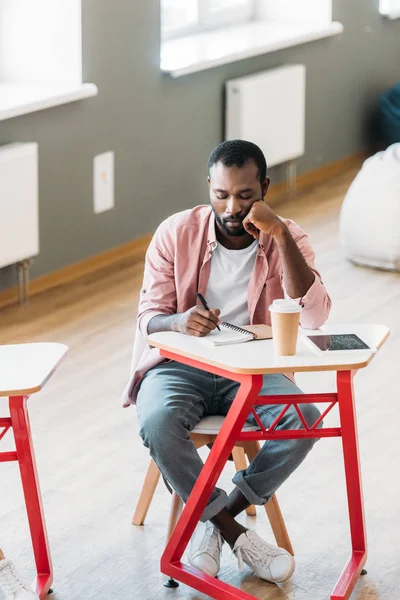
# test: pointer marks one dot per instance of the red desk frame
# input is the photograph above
(247, 396)
(18, 422)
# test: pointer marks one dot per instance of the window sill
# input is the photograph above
(202, 51)
(20, 99)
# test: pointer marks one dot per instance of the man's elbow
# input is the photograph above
(316, 317)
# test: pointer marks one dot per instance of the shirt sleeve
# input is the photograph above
(316, 302)
(158, 293)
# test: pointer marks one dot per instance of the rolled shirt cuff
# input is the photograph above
(145, 320)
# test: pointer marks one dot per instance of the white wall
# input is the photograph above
(41, 41)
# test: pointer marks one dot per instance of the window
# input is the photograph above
(390, 8)
(201, 34)
(41, 41)
(40, 55)
(178, 16)
(183, 17)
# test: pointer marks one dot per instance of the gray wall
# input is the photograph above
(162, 130)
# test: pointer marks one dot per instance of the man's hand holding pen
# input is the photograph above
(198, 321)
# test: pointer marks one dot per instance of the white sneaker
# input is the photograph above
(268, 562)
(11, 584)
(205, 549)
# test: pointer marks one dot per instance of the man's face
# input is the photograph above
(233, 191)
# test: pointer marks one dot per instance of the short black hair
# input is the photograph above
(236, 153)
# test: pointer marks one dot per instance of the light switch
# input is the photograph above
(103, 182)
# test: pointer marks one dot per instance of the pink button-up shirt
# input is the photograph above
(178, 265)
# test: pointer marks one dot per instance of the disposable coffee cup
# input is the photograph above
(285, 318)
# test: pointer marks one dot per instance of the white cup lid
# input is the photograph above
(285, 305)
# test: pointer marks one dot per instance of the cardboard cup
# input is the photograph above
(285, 318)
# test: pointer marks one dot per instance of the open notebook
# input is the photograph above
(232, 334)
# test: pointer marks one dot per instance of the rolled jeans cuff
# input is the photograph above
(241, 483)
(215, 506)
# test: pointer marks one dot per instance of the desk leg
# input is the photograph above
(230, 431)
(352, 570)
(33, 501)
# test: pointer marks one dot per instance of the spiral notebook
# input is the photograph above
(232, 334)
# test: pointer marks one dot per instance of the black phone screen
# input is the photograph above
(342, 341)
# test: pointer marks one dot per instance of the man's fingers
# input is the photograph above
(200, 322)
(214, 316)
(198, 332)
(250, 228)
(210, 315)
(195, 333)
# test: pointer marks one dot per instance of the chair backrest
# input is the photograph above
(139, 345)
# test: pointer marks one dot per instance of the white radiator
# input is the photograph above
(19, 218)
(269, 109)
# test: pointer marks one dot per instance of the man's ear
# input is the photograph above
(209, 180)
(265, 186)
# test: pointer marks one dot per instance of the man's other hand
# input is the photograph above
(262, 218)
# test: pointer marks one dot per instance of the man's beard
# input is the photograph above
(237, 232)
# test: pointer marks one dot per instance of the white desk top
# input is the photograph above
(25, 368)
(258, 358)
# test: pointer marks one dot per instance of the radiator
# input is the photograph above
(268, 108)
(19, 218)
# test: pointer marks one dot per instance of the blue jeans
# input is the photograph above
(174, 397)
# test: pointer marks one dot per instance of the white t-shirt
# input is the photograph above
(230, 274)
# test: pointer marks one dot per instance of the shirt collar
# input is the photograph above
(211, 235)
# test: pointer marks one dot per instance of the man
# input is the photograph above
(241, 256)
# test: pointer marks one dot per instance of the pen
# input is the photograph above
(205, 305)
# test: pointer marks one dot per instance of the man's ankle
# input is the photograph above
(237, 503)
(229, 528)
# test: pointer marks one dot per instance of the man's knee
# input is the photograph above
(157, 426)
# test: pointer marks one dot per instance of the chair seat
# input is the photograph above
(211, 425)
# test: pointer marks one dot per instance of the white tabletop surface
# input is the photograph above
(257, 357)
(25, 368)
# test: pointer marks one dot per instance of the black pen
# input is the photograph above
(205, 305)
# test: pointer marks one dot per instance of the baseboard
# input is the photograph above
(137, 248)
(134, 250)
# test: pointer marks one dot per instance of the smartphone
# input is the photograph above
(335, 342)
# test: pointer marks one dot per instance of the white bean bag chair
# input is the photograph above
(370, 214)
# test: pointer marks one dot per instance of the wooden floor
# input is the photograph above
(91, 460)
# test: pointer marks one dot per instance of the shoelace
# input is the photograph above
(254, 554)
(10, 580)
(208, 546)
